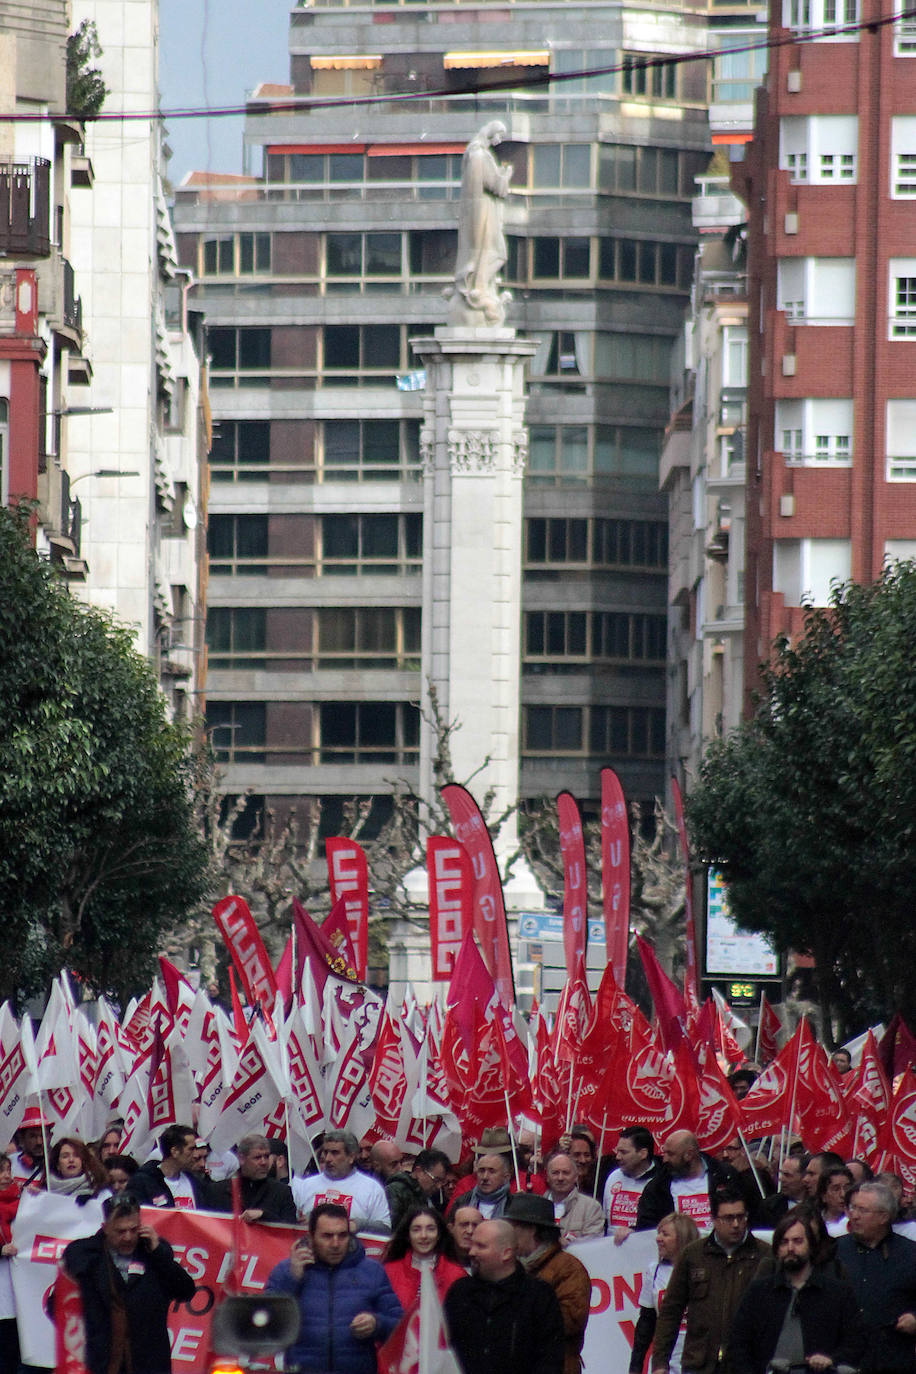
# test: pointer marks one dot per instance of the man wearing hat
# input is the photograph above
(493, 1175)
(31, 1143)
(537, 1238)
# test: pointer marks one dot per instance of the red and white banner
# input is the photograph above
(451, 896)
(43, 1227)
(575, 883)
(348, 875)
(615, 873)
(71, 1327)
(243, 940)
(489, 909)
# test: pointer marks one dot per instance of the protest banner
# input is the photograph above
(43, 1227)
(616, 1274)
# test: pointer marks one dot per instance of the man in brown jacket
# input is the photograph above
(539, 1250)
(708, 1283)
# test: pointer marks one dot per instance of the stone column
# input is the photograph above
(474, 446)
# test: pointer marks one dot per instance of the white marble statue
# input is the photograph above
(476, 298)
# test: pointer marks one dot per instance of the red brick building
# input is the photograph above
(830, 185)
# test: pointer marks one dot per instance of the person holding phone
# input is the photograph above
(128, 1277)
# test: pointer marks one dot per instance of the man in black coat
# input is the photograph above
(170, 1182)
(263, 1198)
(881, 1268)
(501, 1319)
(127, 1277)
(684, 1181)
(797, 1314)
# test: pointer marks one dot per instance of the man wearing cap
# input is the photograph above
(491, 1189)
(31, 1142)
(537, 1240)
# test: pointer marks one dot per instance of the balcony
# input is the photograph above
(25, 208)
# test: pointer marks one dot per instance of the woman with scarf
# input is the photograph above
(75, 1172)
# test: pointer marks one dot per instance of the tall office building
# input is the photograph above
(829, 184)
(318, 268)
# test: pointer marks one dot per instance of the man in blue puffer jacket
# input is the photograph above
(345, 1300)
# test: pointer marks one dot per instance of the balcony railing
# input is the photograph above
(25, 204)
(73, 306)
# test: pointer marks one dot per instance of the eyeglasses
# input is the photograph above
(731, 1220)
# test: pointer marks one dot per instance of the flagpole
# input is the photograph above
(757, 1178)
(795, 1084)
(600, 1153)
(44, 1136)
(569, 1102)
(512, 1139)
(759, 1029)
(289, 1138)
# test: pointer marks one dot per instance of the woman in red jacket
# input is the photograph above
(421, 1241)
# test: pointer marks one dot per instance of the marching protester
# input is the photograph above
(635, 1152)
(537, 1245)
(797, 1314)
(402, 1189)
(74, 1171)
(168, 1182)
(685, 1180)
(462, 1224)
(32, 1140)
(346, 1302)
(119, 1170)
(431, 1170)
(881, 1268)
(577, 1215)
(707, 1284)
(501, 1319)
(817, 1164)
(361, 1196)
(832, 1189)
(673, 1233)
(128, 1277)
(262, 1198)
(490, 1192)
(791, 1190)
(421, 1240)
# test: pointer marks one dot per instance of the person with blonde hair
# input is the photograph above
(672, 1233)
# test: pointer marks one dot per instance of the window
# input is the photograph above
(368, 732)
(805, 569)
(905, 36)
(820, 149)
(571, 455)
(236, 636)
(621, 635)
(632, 357)
(367, 348)
(627, 731)
(566, 165)
(582, 60)
(552, 729)
(363, 256)
(240, 450)
(649, 75)
(815, 431)
(556, 634)
(819, 14)
(646, 262)
(369, 450)
(235, 254)
(352, 544)
(586, 637)
(237, 730)
(556, 540)
(902, 298)
(817, 291)
(558, 454)
(565, 355)
(237, 544)
(432, 252)
(556, 258)
(601, 543)
(647, 171)
(736, 75)
(734, 356)
(238, 351)
(903, 156)
(900, 440)
(369, 637)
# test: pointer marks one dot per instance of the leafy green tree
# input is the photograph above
(809, 808)
(86, 89)
(99, 853)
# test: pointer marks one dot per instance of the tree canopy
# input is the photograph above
(809, 808)
(99, 852)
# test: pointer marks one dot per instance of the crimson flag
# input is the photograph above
(489, 908)
(284, 976)
(897, 1047)
(867, 1094)
(575, 883)
(451, 897)
(670, 1012)
(719, 1119)
(243, 939)
(348, 875)
(898, 1138)
(767, 1106)
(314, 947)
(768, 1032)
(615, 872)
(823, 1114)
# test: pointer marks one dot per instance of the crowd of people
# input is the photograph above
(836, 1288)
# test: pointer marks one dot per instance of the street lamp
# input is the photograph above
(103, 472)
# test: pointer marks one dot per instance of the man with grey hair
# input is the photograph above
(881, 1267)
(361, 1195)
(262, 1198)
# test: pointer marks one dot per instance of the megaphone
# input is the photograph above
(255, 1324)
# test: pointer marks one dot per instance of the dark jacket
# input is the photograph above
(403, 1192)
(708, 1284)
(271, 1196)
(884, 1282)
(656, 1202)
(513, 1326)
(150, 1187)
(828, 1310)
(329, 1297)
(147, 1297)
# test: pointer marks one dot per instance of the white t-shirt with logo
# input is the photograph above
(361, 1194)
(182, 1192)
(621, 1197)
(691, 1196)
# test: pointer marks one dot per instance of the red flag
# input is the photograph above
(615, 872)
(388, 1080)
(867, 1094)
(314, 947)
(348, 874)
(725, 1041)
(575, 883)
(243, 939)
(238, 1015)
(470, 986)
(823, 1115)
(767, 1106)
(768, 1032)
(670, 1012)
(691, 981)
(284, 976)
(489, 908)
(641, 1087)
(897, 1047)
(451, 896)
(573, 1016)
(898, 1139)
(719, 1116)
(69, 1325)
(336, 929)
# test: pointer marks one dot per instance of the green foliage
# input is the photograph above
(86, 90)
(99, 853)
(809, 809)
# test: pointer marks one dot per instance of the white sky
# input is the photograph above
(214, 52)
